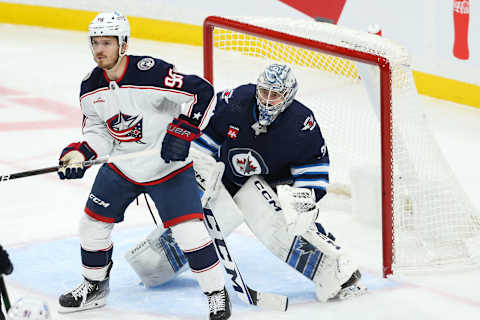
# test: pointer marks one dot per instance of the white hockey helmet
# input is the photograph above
(29, 309)
(111, 24)
(276, 89)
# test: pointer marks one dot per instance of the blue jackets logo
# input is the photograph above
(125, 128)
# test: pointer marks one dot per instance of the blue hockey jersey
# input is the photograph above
(292, 149)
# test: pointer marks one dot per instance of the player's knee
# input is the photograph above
(94, 234)
(190, 234)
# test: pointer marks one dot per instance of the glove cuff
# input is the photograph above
(184, 130)
(82, 147)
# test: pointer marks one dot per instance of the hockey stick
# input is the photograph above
(87, 163)
(4, 293)
(244, 292)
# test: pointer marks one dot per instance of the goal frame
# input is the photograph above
(212, 22)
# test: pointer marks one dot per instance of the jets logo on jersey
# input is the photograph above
(125, 128)
(246, 162)
(145, 64)
(233, 132)
(227, 94)
(309, 123)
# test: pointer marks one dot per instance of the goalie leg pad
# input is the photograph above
(195, 242)
(157, 259)
(312, 253)
(96, 247)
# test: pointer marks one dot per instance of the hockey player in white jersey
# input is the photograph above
(264, 137)
(132, 104)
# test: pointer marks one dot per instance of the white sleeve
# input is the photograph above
(95, 132)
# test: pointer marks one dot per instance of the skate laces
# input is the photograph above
(83, 289)
(216, 301)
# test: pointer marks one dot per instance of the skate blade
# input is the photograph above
(352, 291)
(92, 305)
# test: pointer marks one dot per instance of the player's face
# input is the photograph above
(270, 98)
(105, 51)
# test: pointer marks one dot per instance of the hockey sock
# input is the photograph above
(196, 244)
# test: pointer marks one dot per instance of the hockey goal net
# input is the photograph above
(361, 89)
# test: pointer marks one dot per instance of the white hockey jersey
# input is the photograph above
(131, 114)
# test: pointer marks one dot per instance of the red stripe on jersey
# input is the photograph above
(151, 183)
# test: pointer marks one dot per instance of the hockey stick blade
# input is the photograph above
(243, 291)
(268, 300)
(87, 163)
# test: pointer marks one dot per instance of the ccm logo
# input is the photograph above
(267, 196)
(98, 201)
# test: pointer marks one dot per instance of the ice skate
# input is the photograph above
(352, 287)
(219, 305)
(89, 294)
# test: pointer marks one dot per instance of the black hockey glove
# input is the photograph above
(6, 266)
(176, 144)
(71, 158)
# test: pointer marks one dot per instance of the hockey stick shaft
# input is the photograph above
(244, 292)
(87, 163)
(4, 293)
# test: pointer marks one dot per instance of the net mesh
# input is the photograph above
(434, 223)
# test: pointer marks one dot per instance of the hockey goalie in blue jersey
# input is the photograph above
(275, 160)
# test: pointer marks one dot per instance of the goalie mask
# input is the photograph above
(29, 308)
(276, 89)
(111, 24)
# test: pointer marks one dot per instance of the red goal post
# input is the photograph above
(347, 48)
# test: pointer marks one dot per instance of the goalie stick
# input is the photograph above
(87, 163)
(244, 292)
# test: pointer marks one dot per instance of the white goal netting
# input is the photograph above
(434, 223)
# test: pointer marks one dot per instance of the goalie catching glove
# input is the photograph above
(71, 158)
(176, 144)
(303, 208)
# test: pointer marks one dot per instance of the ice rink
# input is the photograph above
(41, 71)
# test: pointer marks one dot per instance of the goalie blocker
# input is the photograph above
(285, 224)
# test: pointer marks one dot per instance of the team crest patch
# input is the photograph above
(145, 64)
(246, 162)
(232, 132)
(125, 128)
(309, 123)
(227, 94)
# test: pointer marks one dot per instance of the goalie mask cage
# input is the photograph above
(361, 89)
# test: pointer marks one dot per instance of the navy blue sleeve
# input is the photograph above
(201, 110)
(311, 170)
(213, 136)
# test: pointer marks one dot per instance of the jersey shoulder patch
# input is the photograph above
(309, 123)
(145, 64)
(226, 95)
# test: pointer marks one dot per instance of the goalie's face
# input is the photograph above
(270, 98)
(105, 51)
(276, 88)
